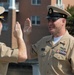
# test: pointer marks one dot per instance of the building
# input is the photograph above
(36, 10)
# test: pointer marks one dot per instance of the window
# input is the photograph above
(35, 2)
(35, 20)
(58, 2)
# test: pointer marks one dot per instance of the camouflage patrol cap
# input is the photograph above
(54, 11)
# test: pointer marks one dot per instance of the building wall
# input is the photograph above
(53, 2)
(68, 2)
(27, 10)
(65, 3)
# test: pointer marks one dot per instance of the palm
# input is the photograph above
(27, 26)
(18, 31)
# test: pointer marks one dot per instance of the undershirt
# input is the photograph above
(56, 39)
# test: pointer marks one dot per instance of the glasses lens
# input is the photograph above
(53, 19)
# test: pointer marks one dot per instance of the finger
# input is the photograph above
(28, 22)
(17, 26)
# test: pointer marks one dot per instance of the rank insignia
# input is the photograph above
(50, 11)
(62, 52)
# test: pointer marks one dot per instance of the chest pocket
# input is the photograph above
(60, 53)
(59, 56)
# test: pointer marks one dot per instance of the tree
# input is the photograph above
(70, 9)
(70, 20)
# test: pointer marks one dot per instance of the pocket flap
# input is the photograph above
(59, 56)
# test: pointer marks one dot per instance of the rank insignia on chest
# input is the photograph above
(63, 43)
(63, 52)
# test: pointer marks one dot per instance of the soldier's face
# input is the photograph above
(55, 26)
(0, 27)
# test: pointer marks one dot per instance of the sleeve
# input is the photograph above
(7, 54)
(36, 46)
(72, 59)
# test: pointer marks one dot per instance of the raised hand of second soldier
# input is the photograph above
(27, 27)
(18, 31)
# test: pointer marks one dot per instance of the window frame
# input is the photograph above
(36, 2)
(58, 2)
(36, 20)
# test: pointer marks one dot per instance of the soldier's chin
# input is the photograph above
(52, 32)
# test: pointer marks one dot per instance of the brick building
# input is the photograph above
(36, 10)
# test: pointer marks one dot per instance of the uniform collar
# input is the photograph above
(62, 41)
(65, 36)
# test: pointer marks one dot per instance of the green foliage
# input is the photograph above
(70, 20)
(70, 9)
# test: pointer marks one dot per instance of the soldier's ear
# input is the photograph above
(63, 21)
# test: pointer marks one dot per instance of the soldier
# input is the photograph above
(56, 51)
(8, 54)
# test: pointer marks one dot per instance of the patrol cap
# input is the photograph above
(56, 12)
(2, 9)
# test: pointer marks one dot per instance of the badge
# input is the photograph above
(50, 11)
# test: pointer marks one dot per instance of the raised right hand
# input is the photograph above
(27, 27)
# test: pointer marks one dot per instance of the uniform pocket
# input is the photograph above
(59, 56)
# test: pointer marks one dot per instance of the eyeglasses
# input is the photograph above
(52, 19)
